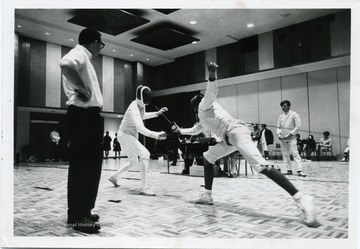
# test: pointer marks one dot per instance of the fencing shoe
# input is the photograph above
(205, 199)
(306, 204)
(86, 225)
(300, 173)
(147, 192)
(113, 181)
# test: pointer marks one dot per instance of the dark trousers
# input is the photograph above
(55, 151)
(308, 153)
(85, 131)
(173, 154)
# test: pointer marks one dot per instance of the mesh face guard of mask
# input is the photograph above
(195, 101)
(143, 95)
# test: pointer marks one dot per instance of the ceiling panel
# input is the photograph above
(213, 28)
(109, 21)
(166, 11)
(165, 38)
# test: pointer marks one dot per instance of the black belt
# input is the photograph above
(90, 109)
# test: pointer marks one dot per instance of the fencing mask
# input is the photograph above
(195, 101)
(143, 95)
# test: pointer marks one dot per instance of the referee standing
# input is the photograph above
(84, 126)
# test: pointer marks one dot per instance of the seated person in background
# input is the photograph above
(32, 154)
(310, 146)
(300, 144)
(325, 143)
(346, 152)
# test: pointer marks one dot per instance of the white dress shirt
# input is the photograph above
(80, 58)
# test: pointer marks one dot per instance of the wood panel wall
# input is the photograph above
(320, 97)
(119, 86)
(39, 80)
(64, 51)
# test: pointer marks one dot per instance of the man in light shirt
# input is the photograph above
(85, 130)
(288, 126)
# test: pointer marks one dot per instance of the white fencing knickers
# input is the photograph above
(290, 147)
(134, 149)
(240, 139)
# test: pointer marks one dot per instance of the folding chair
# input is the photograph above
(238, 157)
(277, 149)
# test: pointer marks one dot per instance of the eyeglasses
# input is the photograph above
(102, 45)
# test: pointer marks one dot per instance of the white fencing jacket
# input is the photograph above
(133, 124)
(212, 116)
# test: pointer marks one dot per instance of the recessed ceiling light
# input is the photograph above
(71, 39)
(250, 25)
(114, 50)
(47, 33)
(131, 55)
(19, 26)
(147, 59)
(119, 116)
(194, 42)
(193, 22)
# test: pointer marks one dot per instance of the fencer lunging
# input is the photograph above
(130, 127)
(235, 136)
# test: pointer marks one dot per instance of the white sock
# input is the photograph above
(207, 191)
(121, 171)
(144, 166)
(297, 196)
